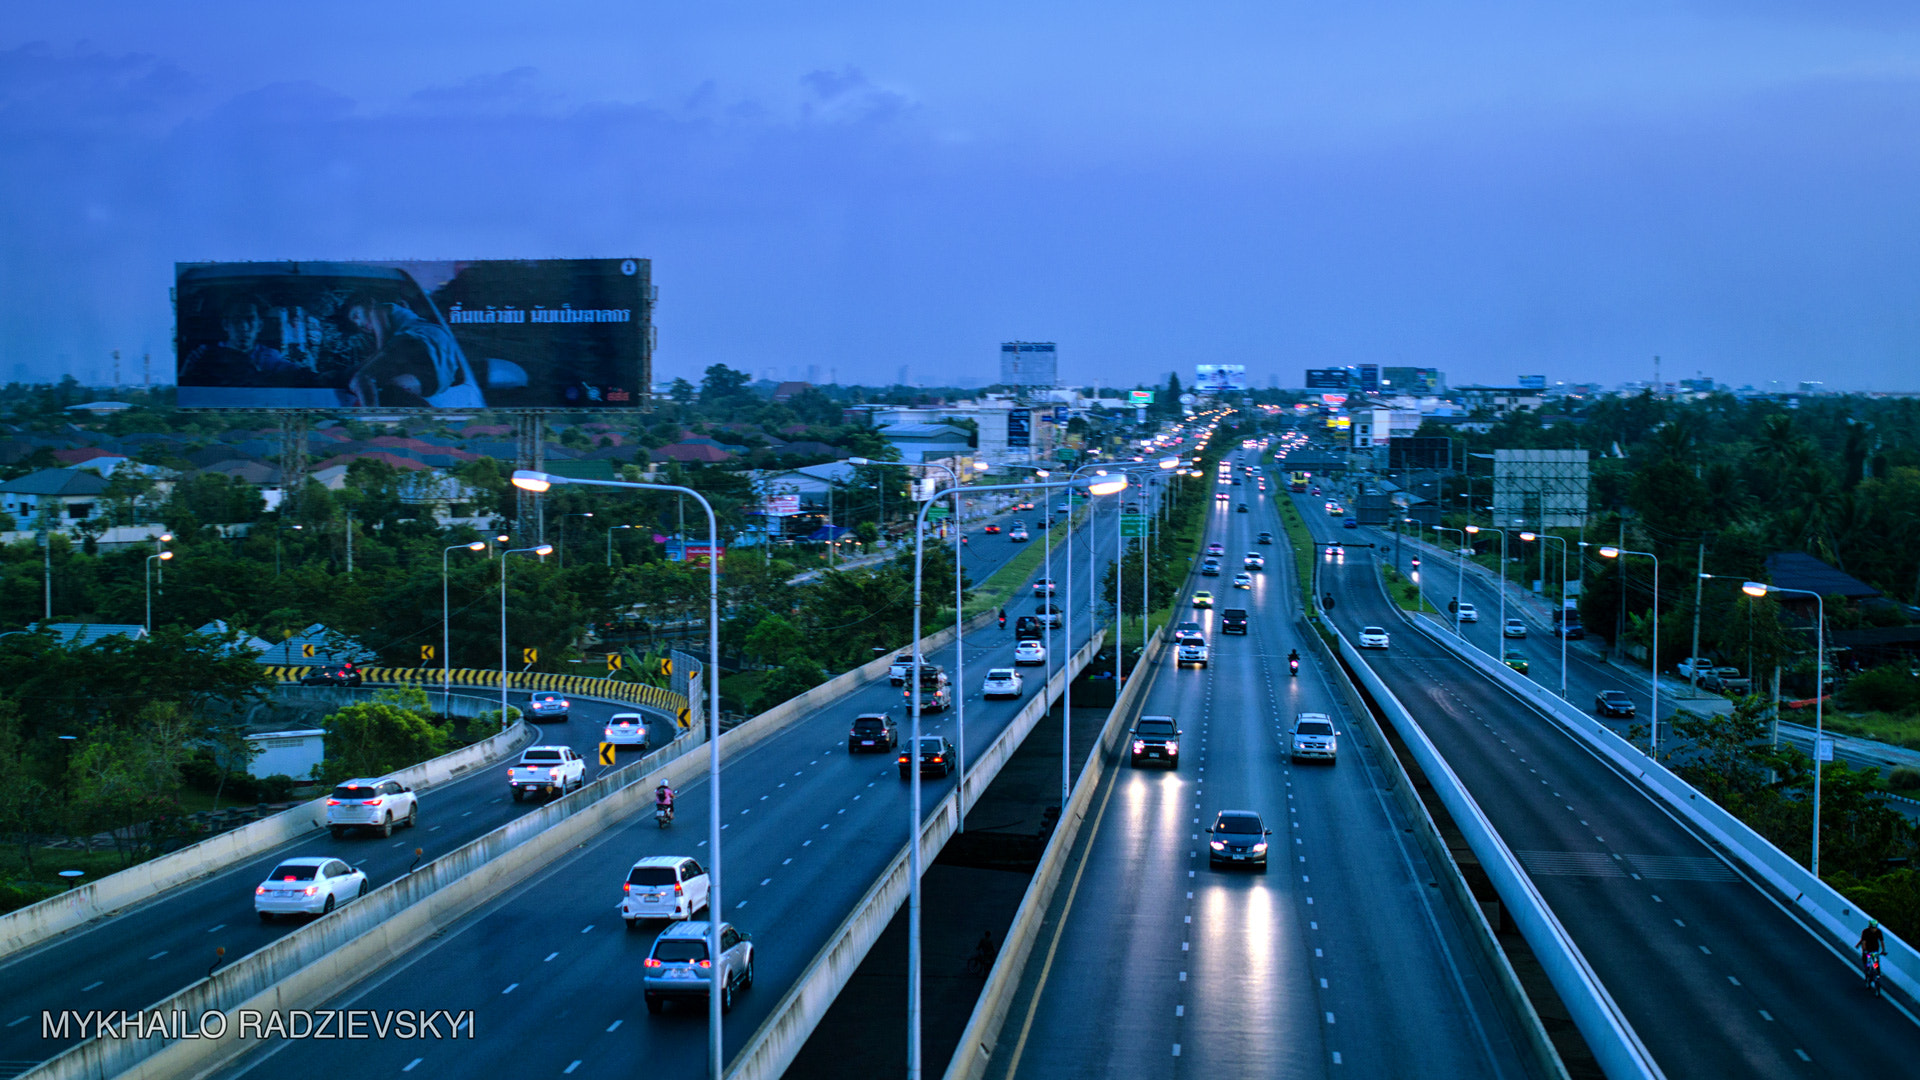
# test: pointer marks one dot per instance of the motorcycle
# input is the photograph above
(1870, 966)
(1293, 667)
(662, 815)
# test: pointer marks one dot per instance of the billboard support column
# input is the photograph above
(530, 452)
(293, 457)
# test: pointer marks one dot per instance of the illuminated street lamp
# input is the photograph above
(538, 482)
(1758, 589)
(162, 558)
(610, 531)
(1653, 665)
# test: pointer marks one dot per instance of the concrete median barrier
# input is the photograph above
(773, 1047)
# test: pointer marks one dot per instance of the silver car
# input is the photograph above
(679, 965)
(1313, 738)
(307, 886)
(1002, 682)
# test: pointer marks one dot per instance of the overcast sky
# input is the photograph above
(1494, 189)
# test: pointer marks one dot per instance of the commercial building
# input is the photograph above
(1029, 364)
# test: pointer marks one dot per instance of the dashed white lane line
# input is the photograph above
(90, 986)
(1733, 980)
(158, 955)
(412, 1065)
(809, 843)
(1706, 950)
(1176, 1049)
(587, 929)
(467, 814)
(570, 1068)
(1767, 1016)
(1178, 1010)
(1336, 1057)
(1329, 1018)
(1183, 976)
(766, 881)
(1323, 984)
(1802, 1053)
(511, 987)
(614, 1026)
(1317, 952)
(739, 905)
(216, 928)
(784, 862)
(550, 958)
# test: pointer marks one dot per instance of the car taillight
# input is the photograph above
(259, 890)
(626, 886)
(903, 759)
(311, 889)
(678, 889)
(333, 802)
(706, 963)
(938, 758)
(371, 802)
(651, 962)
(554, 772)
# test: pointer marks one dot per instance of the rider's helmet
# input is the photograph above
(1873, 924)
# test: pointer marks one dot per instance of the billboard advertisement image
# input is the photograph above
(1219, 378)
(456, 335)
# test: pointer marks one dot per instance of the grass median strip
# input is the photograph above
(1001, 585)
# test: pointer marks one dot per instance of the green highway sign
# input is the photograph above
(1133, 524)
(938, 513)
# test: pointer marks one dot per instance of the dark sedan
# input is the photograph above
(1237, 837)
(547, 708)
(1613, 703)
(344, 675)
(936, 757)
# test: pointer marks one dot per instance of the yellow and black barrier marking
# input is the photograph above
(427, 678)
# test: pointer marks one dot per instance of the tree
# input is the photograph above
(775, 640)
(722, 386)
(388, 733)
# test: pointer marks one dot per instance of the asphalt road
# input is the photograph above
(1340, 960)
(551, 971)
(143, 954)
(1715, 975)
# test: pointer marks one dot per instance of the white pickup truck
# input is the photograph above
(546, 770)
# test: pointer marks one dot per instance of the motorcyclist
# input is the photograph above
(1872, 941)
(663, 800)
(1293, 661)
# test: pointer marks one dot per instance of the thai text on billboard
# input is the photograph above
(455, 336)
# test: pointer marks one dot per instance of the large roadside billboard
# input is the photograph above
(1219, 378)
(455, 335)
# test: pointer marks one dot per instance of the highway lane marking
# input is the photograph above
(1189, 918)
(402, 843)
(1323, 984)
(1767, 1016)
(1176, 1049)
(1313, 926)
(766, 881)
(783, 783)
(1329, 1018)
(1178, 1010)
(411, 1065)
(511, 987)
(1802, 1053)
(587, 929)
(1677, 922)
(20, 1021)
(158, 955)
(1183, 976)
(764, 798)
(1317, 952)
(467, 814)
(614, 1026)
(216, 928)
(1706, 950)
(572, 1067)
(550, 957)
(1656, 899)
(809, 843)
(784, 862)
(1733, 980)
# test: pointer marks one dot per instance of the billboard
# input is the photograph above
(457, 335)
(1408, 452)
(782, 505)
(1533, 382)
(1219, 378)
(1019, 428)
(1336, 378)
(1139, 397)
(1029, 363)
(1369, 378)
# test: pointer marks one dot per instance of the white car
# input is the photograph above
(1373, 637)
(1468, 613)
(1313, 737)
(377, 805)
(1002, 682)
(311, 885)
(1029, 652)
(627, 730)
(663, 887)
(1018, 536)
(1256, 561)
(1043, 587)
(1191, 652)
(1514, 629)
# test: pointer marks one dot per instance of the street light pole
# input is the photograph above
(1460, 581)
(563, 535)
(543, 549)
(1560, 627)
(610, 531)
(151, 559)
(1503, 572)
(529, 480)
(1758, 589)
(446, 631)
(1653, 661)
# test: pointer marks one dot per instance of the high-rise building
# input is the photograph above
(1029, 363)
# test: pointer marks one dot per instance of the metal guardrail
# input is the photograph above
(430, 678)
(1609, 1035)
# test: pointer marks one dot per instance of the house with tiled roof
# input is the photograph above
(67, 496)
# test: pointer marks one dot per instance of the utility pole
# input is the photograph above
(1693, 658)
(350, 557)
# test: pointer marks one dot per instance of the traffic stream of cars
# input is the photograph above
(808, 829)
(1332, 963)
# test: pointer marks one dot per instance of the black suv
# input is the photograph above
(874, 732)
(344, 675)
(1233, 620)
(1155, 738)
